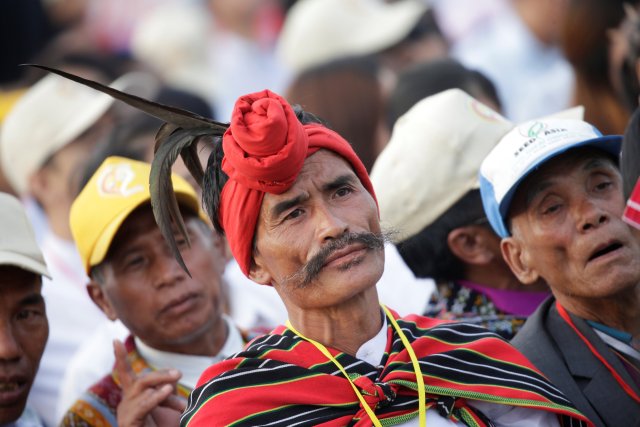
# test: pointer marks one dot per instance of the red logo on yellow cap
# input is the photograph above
(116, 180)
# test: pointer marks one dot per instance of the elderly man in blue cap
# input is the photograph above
(552, 189)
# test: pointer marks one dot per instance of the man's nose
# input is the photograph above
(591, 215)
(167, 271)
(330, 224)
(9, 348)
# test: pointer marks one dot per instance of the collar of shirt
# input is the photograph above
(191, 366)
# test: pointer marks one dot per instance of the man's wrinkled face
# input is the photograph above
(567, 228)
(319, 243)
(23, 334)
(143, 285)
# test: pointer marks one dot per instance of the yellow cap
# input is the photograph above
(115, 190)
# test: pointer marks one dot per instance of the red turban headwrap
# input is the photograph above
(264, 150)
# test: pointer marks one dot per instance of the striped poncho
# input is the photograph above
(282, 380)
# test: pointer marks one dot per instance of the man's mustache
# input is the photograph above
(312, 268)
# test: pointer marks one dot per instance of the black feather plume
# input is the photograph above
(179, 135)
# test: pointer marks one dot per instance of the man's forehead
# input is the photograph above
(18, 281)
(141, 223)
(320, 168)
(583, 159)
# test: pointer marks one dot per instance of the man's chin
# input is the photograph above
(10, 412)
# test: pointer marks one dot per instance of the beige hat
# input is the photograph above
(178, 53)
(433, 158)
(319, 31)
(50, 115)
(18, 245)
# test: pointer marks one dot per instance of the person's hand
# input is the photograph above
(147, 400)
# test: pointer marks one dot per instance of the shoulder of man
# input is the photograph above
(96, 406)
(534, 332)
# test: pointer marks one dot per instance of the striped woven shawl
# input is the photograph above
(282, 380)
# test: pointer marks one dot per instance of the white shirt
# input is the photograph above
(253, 307)
(28, 419)
(372, 352)
(191, 366)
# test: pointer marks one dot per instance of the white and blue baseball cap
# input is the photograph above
(524, 149)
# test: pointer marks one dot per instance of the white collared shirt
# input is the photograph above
(191, 366)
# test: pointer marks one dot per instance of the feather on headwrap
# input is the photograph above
(265, 147)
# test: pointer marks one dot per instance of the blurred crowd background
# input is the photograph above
(357, 64)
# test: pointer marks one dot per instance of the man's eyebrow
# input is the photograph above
(599, 163)
(534, 190)
(32, 299)
(340, 181)
(285, 205)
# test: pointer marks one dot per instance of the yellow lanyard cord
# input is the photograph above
(422, 409)
(324, 351)
(414, 361)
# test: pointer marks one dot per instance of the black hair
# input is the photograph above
(432, 77)
(427, 253)
(215, 178)
(630, 154)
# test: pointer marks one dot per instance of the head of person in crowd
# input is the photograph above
(552, 190)
(347, 95)
(584, 43)
(630, 153)
(426, 181)
(134, 136)
(45, 137)
(429, 78)
(134, 277)
(401, 33)
(24, 328)
(277, 233)
(624, 57)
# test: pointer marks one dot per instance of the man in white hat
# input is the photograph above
(553, 191)
(427, 186)
(402, 32)
(44, 138)
(23, 320)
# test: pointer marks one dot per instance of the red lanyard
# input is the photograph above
(563, 313)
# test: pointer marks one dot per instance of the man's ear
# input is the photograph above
(38, 184)
(469, 243)
(517, 259)
(258, 273)
(100, 299)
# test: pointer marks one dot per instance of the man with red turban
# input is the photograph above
(300, 214)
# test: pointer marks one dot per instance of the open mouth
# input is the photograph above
(602, 251)
(9, 386)
(12, 390)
